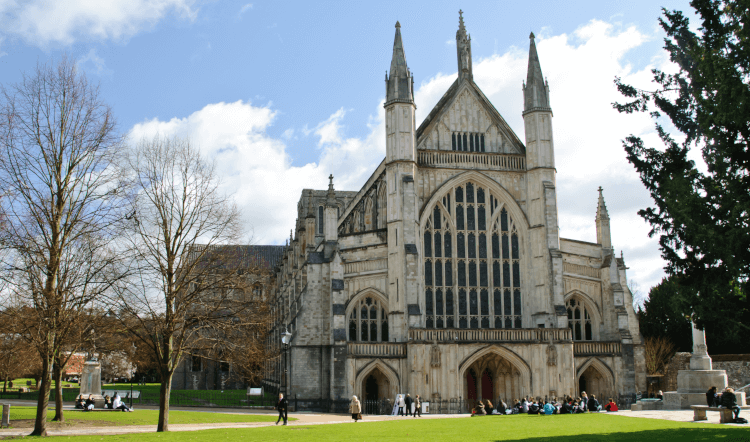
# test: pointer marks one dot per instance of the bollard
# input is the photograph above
(6, 416)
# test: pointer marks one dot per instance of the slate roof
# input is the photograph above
(266, 257)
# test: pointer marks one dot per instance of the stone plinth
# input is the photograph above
(681, 401)
(699, 381)
(91, 379)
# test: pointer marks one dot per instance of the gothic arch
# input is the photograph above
(513, 208)
(602, 369)
(590, 307)
(369, 291)
(384, 368)
(473, 240)
(516, 361)
(588, 301)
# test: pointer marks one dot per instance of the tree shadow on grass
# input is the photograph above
(698, 434)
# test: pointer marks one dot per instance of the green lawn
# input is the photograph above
(574, 428)
(138, 417)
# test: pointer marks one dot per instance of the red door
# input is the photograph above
(487, 385)
(471, 385)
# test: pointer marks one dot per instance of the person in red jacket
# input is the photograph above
(611, 406)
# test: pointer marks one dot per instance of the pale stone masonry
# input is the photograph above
(445, 274)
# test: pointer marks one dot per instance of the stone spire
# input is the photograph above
(400, 84)
(331, 195)
(535, 90)
(310, 209)
(601, 207)
(603, 235)
(463, 49)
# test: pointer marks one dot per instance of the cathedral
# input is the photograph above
(445, 275)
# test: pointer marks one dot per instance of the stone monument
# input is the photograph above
(693, 384)
(91, 381)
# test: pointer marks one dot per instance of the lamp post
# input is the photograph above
(286, 338)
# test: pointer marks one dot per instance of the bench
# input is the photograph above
(726, 416)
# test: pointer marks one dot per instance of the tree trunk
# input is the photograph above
(164, 392)
(57, 375)
(5, 384)
(40, 425)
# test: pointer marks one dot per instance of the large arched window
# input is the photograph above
(368, 321)
(579, 320)
(472, 262)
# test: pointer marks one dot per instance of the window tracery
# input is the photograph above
(368, 321)
(471, 262)
(579, 320)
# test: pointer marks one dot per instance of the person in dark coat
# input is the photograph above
(408, 401)
(593, 404)
(729, 400)
(80, 402)
(712, 399)
(90, 404)
(282, 405)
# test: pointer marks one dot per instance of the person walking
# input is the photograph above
(400, 403)
(407, 402)
(282, 405)
(355, 408)
(417, 406)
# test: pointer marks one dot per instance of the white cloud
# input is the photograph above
(45, 22)
(258, 168)
(588, 133)
(94, 63)
(246, 8)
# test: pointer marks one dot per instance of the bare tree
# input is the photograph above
(188, 286)
(58, 141)
(658, 352)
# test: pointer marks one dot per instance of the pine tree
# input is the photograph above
(702, 218)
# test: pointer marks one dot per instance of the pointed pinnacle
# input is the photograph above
(531, 36)
(398, 25)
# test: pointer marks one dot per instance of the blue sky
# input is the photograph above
(281, 94)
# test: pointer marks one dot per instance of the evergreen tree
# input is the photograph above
(663, 315)
(703, 218)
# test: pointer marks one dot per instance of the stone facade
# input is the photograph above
(445, 275)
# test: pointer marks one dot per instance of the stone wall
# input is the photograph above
(736, 366)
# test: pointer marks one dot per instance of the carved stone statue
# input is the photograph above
(435, 356)
(551, 355)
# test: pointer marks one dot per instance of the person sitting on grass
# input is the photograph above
(567, 407)
(525, 405)
(480, 411)
(611, 406)
(488, 406)
(117, 404)
(534, 407)
(585, 400)
(80, 402)
(549, 409)
(502, 407)
(517, 407)
(580, 406)
(594, 404)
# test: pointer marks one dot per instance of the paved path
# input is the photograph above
(306, 419)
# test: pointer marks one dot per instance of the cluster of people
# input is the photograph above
(725, 399)
(407, 403)
(88, 404)
(566, 405)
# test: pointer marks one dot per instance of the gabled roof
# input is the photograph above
(449, 97)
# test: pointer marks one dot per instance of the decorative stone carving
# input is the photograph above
(435, 356)
(551, 355)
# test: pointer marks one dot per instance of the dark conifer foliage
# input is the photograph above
(702, 218)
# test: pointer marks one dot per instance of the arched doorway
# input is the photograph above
(596, 380)
(375, 385)
(500, 379)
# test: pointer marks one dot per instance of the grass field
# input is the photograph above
(22, 417)
(574, 428)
